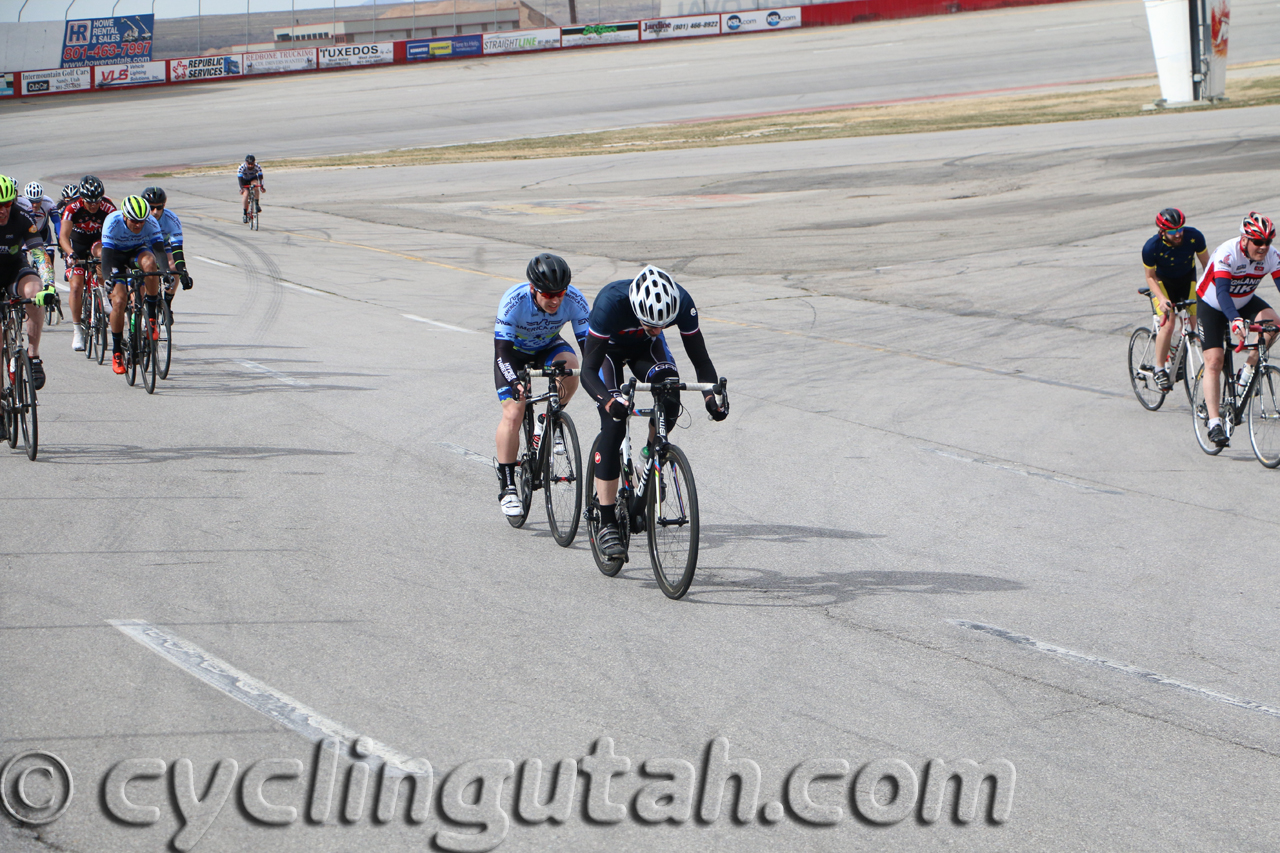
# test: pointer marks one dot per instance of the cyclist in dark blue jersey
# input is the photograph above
(1170, 260)
(626, 330)
(527, 333)
(249, 173)
(171, 228)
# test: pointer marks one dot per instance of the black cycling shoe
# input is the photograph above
(37, 373)
(1218, 435)
(610, 541)
(1162, 380)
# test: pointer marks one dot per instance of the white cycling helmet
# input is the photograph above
(33, 191)
(654, 297)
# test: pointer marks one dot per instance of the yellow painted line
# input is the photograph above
(373, 249)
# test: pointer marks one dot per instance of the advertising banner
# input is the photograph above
(56, 80)
(1215, 82)
(277, 61)
(679, 28)
(440, 48)
(518, 40)
(1170, 22)
(343, 55)
(97, 41)
(599, 34)
(204, 67)
(132, 74)
(6, 85)
(765, 19)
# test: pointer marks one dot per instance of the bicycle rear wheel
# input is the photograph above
(25, 387)
(673, 523)
(1142, 358)
(1200, 413)
(1264, 417)
(607, 566)
(524, 481)
(165, 346)
(100, 326)
(562, 479)
(132, 348)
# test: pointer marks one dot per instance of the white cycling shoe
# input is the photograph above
(77, 338)
(510, 502)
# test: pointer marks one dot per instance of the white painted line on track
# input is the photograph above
(1145, 674)
(415, 318)
(274, 374)
(469, 454)
(313, 291)
(1023, 471)
(212, 261)
(242, 687)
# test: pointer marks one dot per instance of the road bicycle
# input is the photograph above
(255, 208)
(141, 351)
(1182, 364)
(658, 494)
(1255, 396)
(95, 309)
(164, 320)
(18, 410)
(549, 457)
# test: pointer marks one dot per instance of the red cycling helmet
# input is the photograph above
(1170, 219)
(1257, 227)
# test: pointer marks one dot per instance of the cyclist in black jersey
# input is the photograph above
(626, 329)
(19, 235)
(1170, 261)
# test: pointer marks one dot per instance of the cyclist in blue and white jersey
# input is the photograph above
(171, 227)
(626, 330)
(132, 238)
(527, 333)
(250, 172)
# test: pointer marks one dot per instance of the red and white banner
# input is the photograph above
(129, 74)
(680, 28)
(204, 67)
(277, 61)
(344, 55)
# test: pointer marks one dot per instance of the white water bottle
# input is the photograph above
(1246, 374)
(539, 424)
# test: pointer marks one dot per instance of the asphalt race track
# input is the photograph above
(937, 526)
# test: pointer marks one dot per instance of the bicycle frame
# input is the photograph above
(538, 448)
(1238, 397)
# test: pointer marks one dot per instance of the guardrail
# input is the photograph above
(165, 72)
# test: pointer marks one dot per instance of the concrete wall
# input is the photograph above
(30, 46)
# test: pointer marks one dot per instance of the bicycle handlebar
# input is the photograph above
(1262, 328)
(552, 372)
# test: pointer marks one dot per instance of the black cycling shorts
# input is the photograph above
(1214, 326)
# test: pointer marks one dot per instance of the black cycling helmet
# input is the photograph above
(249, 158)
(154, 196)
(91, 188)
(1170, 219)
(548, 273)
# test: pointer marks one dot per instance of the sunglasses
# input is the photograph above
(1173, 232)
(1260, 243)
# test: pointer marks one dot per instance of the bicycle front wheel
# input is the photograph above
(1264, 417)
(562, 479)
(165, 346)
(9, 397)
(100, 328)
(132, 347)
(1142, 371)
(1200, 413)
(673, 523)
(25, 388)
(150, 359)
(1192, 361)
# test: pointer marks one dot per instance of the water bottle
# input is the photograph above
(1246, 374)
(539, 424)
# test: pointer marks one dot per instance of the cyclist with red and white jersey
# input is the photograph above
(249, 173)
(1227, 299)
(81, 230)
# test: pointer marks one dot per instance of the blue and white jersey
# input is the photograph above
(117, 236)
(249, 172)
(529, 328)
(170, 227)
